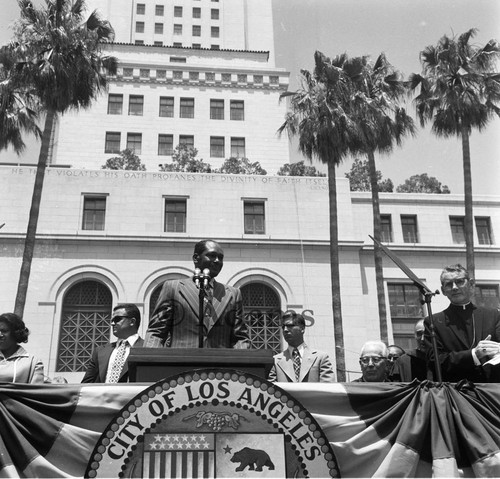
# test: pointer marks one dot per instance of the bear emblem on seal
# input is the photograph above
(253, 458)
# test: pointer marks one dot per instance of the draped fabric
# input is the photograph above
(375, 429)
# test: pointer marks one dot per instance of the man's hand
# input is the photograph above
(487, 349)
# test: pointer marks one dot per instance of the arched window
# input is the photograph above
(262, 309)
(85, 324)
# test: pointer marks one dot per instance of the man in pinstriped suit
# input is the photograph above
(175, 322)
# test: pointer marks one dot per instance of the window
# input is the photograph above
(409, 227)
(196, 45)
(214, 32)
(177, 31)
(196, 12)
(483, 228)
(85, 319)
(178, 60)
(237, 109)
(165, 145)
(262, 313)
(167, 106)
(134, 142)
(112, 144)
(94, 211)
(175, 215)
(196, 30)
(214, 47)
(253, 212)
(159, 28)
(141, 8)
(238, 148)
(178, 12)
(135, 105)
(115, 104)
(159, 10)
(187, 108)
(139, 27)
(457, 229)
(139, 42)
(187, 140)
(214, 13)
(157, 44)
(386, 228)
(217, 147)
(487, 295)
(216, 109)
(406, 309)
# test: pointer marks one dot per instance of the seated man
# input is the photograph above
(413, 364)
(299, 363)
(374, 363)
(394, 352)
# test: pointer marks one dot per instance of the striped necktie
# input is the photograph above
(118, 363)
(296, 363)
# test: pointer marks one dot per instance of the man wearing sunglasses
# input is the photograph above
(374, 363)
(467, 336)
(108, 363)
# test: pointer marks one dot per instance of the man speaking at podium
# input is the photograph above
(175, 319)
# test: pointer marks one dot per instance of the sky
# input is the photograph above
(398, 28)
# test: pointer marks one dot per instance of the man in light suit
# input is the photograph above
(125, 322)
(175, 319)
(299, 363)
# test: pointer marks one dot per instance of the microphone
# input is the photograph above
(197, 277)
(206, 277)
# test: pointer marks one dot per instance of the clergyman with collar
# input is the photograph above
(175, 319)
(299, 363)
(108, 363)
(467, 336)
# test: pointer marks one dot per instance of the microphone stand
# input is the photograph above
(201, 314)
(426, 293)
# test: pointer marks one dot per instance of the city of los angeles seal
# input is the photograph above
(213, 423)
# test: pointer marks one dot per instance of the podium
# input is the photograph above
(154, 364)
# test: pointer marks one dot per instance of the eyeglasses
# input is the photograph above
(460, 282)
(392, 357)
(117, 319)
(376, 360)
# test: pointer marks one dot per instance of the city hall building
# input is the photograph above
(202, 73)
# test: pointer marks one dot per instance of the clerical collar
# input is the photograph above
(463, 307)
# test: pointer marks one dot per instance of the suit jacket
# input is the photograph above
(98, 365)
(458, 330)
(175, 318)
(315, 367)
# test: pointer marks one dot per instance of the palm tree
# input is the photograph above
(60, 59)
(18, 113)
(381, 123)
(324, 131)
(459, 90)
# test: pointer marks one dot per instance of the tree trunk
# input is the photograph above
(377, 252)
(335, 276)
(469, 218)
(29, 241)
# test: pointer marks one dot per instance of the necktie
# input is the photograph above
(296, 363)
(208, 309)
(118, 363)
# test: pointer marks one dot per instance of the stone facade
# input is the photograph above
(133, 253)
